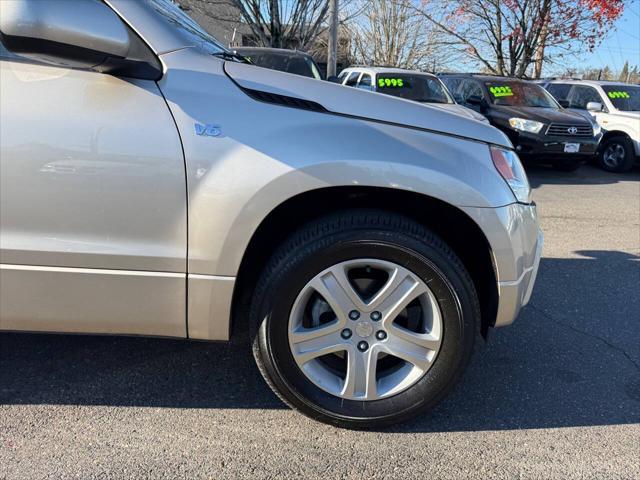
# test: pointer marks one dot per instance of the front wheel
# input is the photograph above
(617, 155)
(364, 319)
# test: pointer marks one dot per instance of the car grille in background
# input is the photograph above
(563, 130)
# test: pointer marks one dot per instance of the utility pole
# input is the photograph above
(332, 55)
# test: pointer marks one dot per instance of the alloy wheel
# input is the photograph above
(614, 155)
(365, 329)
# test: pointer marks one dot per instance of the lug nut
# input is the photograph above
(381, 334)
(346, 334)
(354, 315)
(363, 346)
(376, 316)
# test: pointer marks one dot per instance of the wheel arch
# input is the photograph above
(611, 134)
(459, 231)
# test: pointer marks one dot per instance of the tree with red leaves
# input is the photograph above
(508, 37)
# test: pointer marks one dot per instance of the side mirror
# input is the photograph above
(564, 103)
(477, 101)
(594, 106)
(333, 79)
(72, 33)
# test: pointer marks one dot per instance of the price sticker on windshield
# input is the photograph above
(615, 95)
(504, 91)
(390, 82)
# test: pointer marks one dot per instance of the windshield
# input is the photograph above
(183, 22)
(624, 97)
(520, 94)
(420, 88)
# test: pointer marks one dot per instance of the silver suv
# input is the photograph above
(154, 184)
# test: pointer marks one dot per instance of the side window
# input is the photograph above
(560, 91)
(342, 76)
(581, 95)
(352, 81)
(365, 82)
(470, 88)
(452, 84)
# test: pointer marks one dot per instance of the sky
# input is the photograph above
(621, 45)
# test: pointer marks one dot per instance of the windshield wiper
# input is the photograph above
(231, 56)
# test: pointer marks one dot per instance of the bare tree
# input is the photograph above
(271, 23)
(392, 33)
(509, 36)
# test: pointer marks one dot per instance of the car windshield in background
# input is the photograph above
(419, 88)
(176, 16)
(624, 97)
(520, 94)
(297, 64)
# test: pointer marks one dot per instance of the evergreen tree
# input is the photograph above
(624, 73)
(606, 73)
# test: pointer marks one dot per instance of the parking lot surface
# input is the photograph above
(557, 395)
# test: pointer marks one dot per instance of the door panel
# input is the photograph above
(91, 177)
(91, 172)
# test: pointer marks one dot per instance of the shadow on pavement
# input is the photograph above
(572, 359)
(586, 175)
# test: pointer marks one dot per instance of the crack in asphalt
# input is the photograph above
(587, 334)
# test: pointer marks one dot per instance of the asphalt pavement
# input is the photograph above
(556, 395)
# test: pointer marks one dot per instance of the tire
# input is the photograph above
(386, 240)
(567, 165)
(616, 155)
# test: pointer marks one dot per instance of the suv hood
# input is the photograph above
(340, 100)
(623, 114)
(460, 110)
(544, 115)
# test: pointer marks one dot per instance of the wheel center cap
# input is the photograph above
(364, 329)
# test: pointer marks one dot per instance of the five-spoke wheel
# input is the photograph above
(363, 319)
(365, 329)
(617, 154)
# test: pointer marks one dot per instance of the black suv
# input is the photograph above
(539, 128)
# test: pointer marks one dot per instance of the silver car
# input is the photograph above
(154, 184)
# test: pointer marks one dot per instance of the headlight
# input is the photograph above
(510, 168)
(597, 129)
(526, 125)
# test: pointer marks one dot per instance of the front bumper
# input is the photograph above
(543, 148)
(636, 145)
(516, 241)
(513, 295)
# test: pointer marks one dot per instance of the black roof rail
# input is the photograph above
(480, 74)
(374, 66)
(560, 78)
